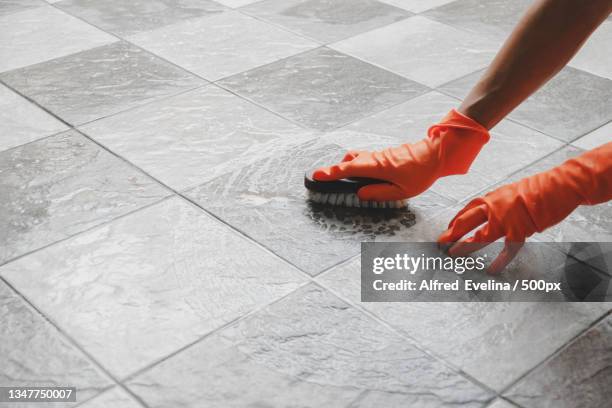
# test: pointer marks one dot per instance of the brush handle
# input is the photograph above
(348, 185)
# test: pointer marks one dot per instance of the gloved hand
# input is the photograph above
(450, 148)
(518, 210)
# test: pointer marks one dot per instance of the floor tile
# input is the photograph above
(33, 352)
(327, 21)
(86, 86)
(596, 138)
(221, 45)
(578, 376)
(181, 283)
(116, 398)
(494, 342)
(494, 18)
(55, 187)
(44, 33)
(310, 347)
(184, 140)
(328, 88)
(416, 6)
(267, 201)
(586, 223)
(500, 403)
(130, 17)
(423, 50)
(21, 121)
(572, 104)
(594, 56)
(511, 147)
(13, 6)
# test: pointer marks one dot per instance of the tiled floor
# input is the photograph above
(156, 249)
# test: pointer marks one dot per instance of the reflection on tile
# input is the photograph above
(304, 348)
(43, 33)
(494, 342)
(13, 6)
(130, 17)
(32, 352)
(221, 45)
(267, 201)
(99, 82)
(182, 140)
(53, 188)
(328, 89)
(21, 121)
(147, 284)
(578, 376)
(572, 104)
(586, 223)
(423, 50)
(596, 138)
(494, 18)
(416, 6)
(595, 56)
(115, 398)
(511, 147)
(325, 20)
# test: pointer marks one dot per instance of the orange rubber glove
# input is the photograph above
(518, 210)
(450, 148)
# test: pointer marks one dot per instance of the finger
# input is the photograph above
(350, 155)
(465, 221)
(481, 238)
(335, 172)
(511, 249)
(381, 192)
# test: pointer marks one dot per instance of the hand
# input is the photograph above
(410, 169)
(518, 210)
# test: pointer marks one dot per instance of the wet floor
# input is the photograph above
(156, 249)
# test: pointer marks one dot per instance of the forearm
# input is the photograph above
(547, 37)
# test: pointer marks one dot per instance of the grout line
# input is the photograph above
(454, 368)
(69, 339)
(93, 227)
(212, 332)
(556, 352)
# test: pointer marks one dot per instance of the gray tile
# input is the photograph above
(130, 17)
(236, 3)
(578, 376)
(267, 201)
(325, 20)
(594, 56)
(511, 147)
(187, 139)
(221, 45)
(44, 33)
(145, 285)
(494, 18)
(495, 342)
(99, 82)
(500, 403)
(596, 138)
(416, 6)
(13, 6)
(586, 223)
(33, 352)
(423, 50)
(115, 398)
(56, 187)
(310, 349)
(572, 104)
(328, 89)
(21, 121)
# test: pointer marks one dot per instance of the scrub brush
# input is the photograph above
(344, 193)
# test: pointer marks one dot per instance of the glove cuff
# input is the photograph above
(459, 139)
